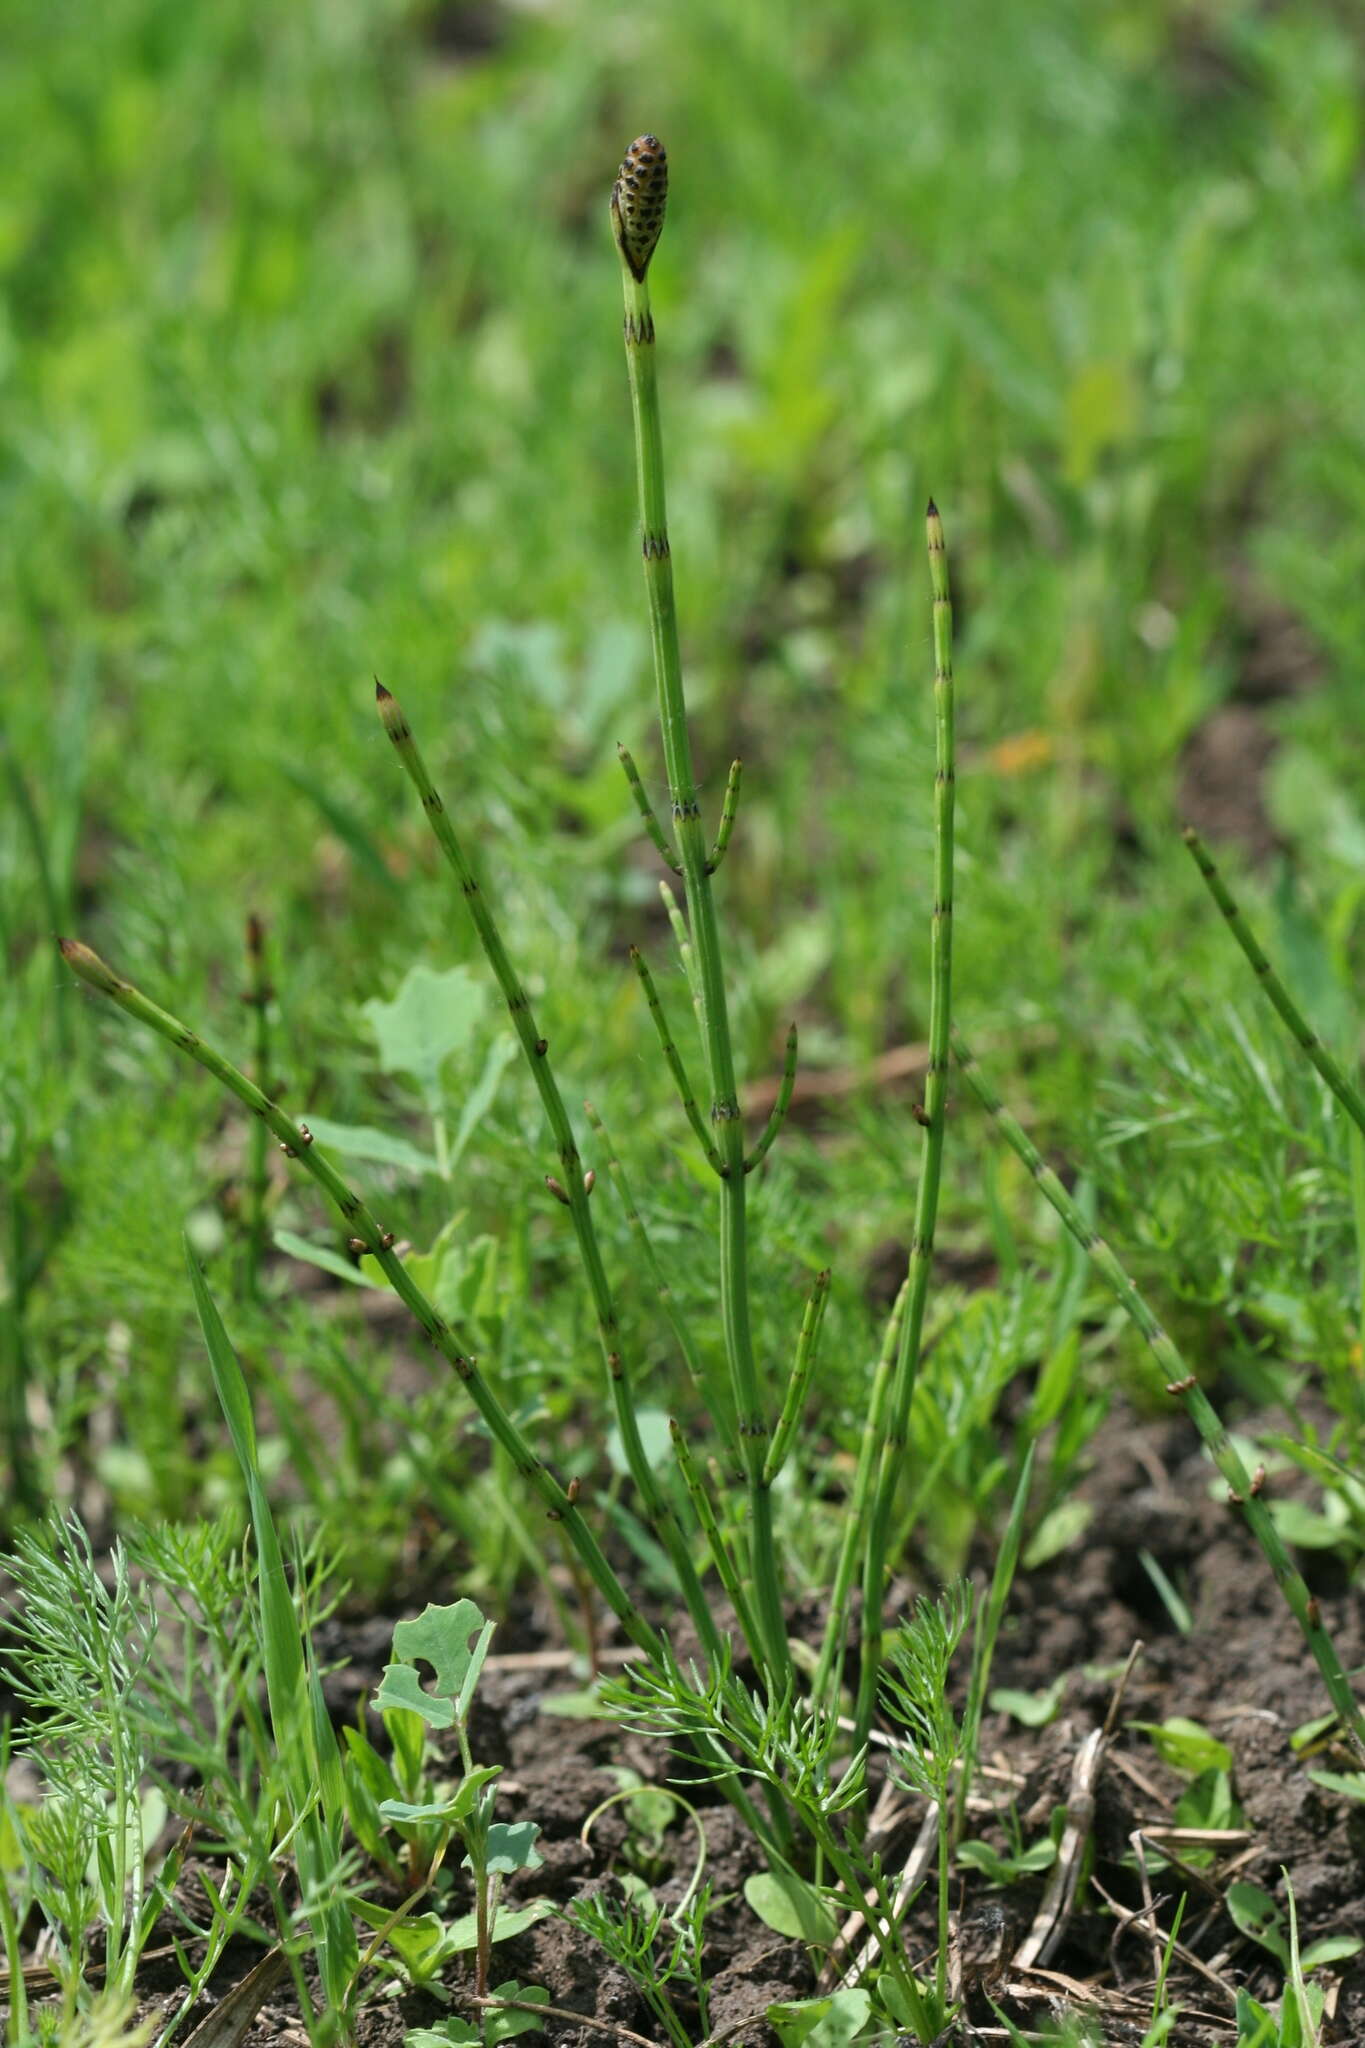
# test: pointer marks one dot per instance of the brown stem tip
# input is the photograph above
(638, 199)
(89, 966)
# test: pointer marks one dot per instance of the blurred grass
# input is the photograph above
(310, 368)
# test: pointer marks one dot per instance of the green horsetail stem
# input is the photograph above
(646, 808)
(825, 1689)
(637, 212)
(780, 1107)
(259, 995)
(807, 1345)
(893, 1441)
(706, 1519)
(366, 1235)
(574, 1188)
(682, 940)
(673, 1059)
(1277, 995)
(1244, 1489)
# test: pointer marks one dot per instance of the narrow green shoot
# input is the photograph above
(729, 809)
(984, 1637)
(1277, 995)
(778, 1115)
(683, 942)
(573, 1185)
(1182, 1385)
(646, 809)
(706, 1519)
(807, 1345)
(673, 1060)
(258, 994)
(897, 1422)
(637, 212)
(368, 1236)
(826, 1686)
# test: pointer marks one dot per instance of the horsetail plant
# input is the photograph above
(757, 1439)
(888, 1446)
(637, 210)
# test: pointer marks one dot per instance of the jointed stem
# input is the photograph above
(825, 1689)
(727, 816)
(673, 1060)
(893, 1442)
(1184, 1387)
(637, 214)
(258, 994)
(646, 809)
(657, 1509)
(1277, 995)
(365, 1231)
(807, 1345)
(780, 1107)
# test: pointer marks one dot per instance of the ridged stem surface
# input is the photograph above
(891, 1462)
(694, 858)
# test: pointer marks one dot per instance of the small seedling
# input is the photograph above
(453, 1642)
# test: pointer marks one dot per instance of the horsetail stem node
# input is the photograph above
(638, 199)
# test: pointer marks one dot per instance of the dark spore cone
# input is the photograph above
(638, 199)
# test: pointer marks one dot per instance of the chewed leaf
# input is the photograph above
(401, 1687)
(454, 1642)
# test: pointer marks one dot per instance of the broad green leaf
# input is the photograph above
(1299, 1524)
(503, 2026)
(401, 1687)
(462, 1934)
(1350, 1784)
(1206, 1802)
(830, 2022)
(1185, 1745)
(1057, 1532)
(402, 1813)
(790, 1906)
(1333, 1948)
(1033, 1709)
(363, 1141)
(512, 1846)
(654, 1435)
(1255, 1914)
(584, 1705)
(432, 1016)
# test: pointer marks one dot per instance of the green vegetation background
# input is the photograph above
(310, 369)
